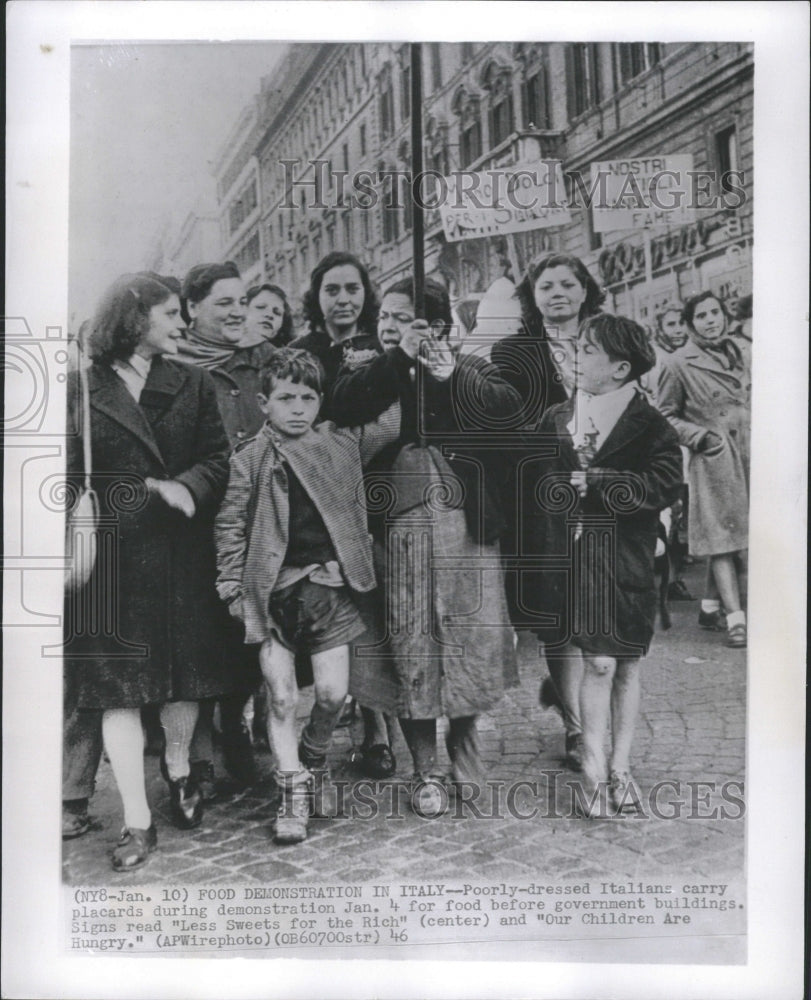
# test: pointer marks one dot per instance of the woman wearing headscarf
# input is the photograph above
(448, 634)
(144, 628)
(705, 392)
(214, 303)
(556, 294)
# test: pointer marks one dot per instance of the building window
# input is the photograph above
(436, 65)
(726, 151)
(386, 104)
(582, 78)
(405, 90)
(363, 139)
(367, 227)
(347, 226)
(248, 255)
(636, 57)
(389, 202)
(345, 155)
(501, 119)
(470, 144)
(246, 202)
(536, 102)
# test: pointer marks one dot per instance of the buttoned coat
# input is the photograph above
(237, 382)
(598, 590)
(698, 394)
(148, 626)
(251, 529)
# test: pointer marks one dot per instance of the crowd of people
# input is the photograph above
(375, 509)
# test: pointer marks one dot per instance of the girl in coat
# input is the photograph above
(556, 295)
(145, 629)
(435, 496)
(705, 391)
(268, 317)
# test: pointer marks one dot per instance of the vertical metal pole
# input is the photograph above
(418, 229)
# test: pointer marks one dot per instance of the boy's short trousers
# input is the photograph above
(312, 618)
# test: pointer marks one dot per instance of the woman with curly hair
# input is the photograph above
(145, 628)
(556, 294)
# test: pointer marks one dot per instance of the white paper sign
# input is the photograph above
(642, 192)
(525, 196)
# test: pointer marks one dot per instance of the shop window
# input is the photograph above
(637, 57)
(582, 78)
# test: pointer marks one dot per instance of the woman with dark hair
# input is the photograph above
(268, 317)
(447, 632)
(160, 467)
(214, 301)
(705, 392)
(556, 294)
(340, 307)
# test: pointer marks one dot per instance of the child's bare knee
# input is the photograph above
(601, 666)
(330, 697)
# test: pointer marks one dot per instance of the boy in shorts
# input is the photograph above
(591, 512)
(292, 547)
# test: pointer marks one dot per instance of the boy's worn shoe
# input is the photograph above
(429, 795)
(294, 810)
(186, 803)
(715, 620)
(623, 791)
(574, 751)
(134, 847)
(736, 637)
(376, 761)
(75, 818)
(202, 773)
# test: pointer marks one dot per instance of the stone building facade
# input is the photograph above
(346, 109)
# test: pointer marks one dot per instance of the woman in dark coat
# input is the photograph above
(214, 301)
(145, 629)
(434, 495)
(556, 295)
(704, 391)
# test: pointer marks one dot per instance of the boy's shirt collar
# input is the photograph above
(594, 417)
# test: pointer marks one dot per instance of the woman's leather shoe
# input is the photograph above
(186, 803)
(134, 847)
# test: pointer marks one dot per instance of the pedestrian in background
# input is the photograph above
(705, 392)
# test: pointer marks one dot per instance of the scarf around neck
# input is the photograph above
(196, 350)
(725, 347)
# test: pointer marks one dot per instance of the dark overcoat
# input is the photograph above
(590, 576)
(148, 626)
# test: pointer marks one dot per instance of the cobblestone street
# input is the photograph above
(691, 729)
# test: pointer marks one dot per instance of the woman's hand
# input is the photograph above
(415, 336)
(711, 444)
(173, 494)
(439, 359)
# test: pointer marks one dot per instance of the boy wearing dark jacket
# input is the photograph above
(608, 464)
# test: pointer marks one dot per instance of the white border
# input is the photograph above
(37, 158)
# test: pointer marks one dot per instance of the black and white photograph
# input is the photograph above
(405, 496)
